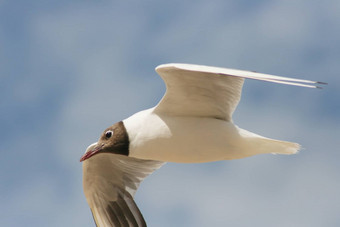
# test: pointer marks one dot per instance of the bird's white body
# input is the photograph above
(195, 139)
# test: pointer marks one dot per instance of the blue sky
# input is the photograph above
(69, 69)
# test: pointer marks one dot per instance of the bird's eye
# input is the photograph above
(108, 134)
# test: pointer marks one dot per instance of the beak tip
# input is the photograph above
(90, 153)
(84, 157)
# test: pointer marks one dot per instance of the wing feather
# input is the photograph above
(110, 182)
(205, 91)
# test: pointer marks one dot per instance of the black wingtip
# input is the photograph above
(320, 83)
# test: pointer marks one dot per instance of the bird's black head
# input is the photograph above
(113, 140)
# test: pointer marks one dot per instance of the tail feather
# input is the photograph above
(279, 147)
(257, 144)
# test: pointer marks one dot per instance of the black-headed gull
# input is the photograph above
(191, 124)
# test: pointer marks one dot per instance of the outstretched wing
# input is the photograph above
(110, 182)
(204, 91)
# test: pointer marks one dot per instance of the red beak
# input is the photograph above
(90, 153)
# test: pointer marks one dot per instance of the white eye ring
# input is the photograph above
(108, 134)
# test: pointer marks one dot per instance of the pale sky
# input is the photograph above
(69, 69)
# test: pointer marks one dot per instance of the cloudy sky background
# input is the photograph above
(69, 69)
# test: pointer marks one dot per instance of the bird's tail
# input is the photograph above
(261, 145)
(278, 146)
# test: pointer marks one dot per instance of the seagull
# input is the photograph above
(191, 124)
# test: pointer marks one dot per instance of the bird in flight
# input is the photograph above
(191, 124)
